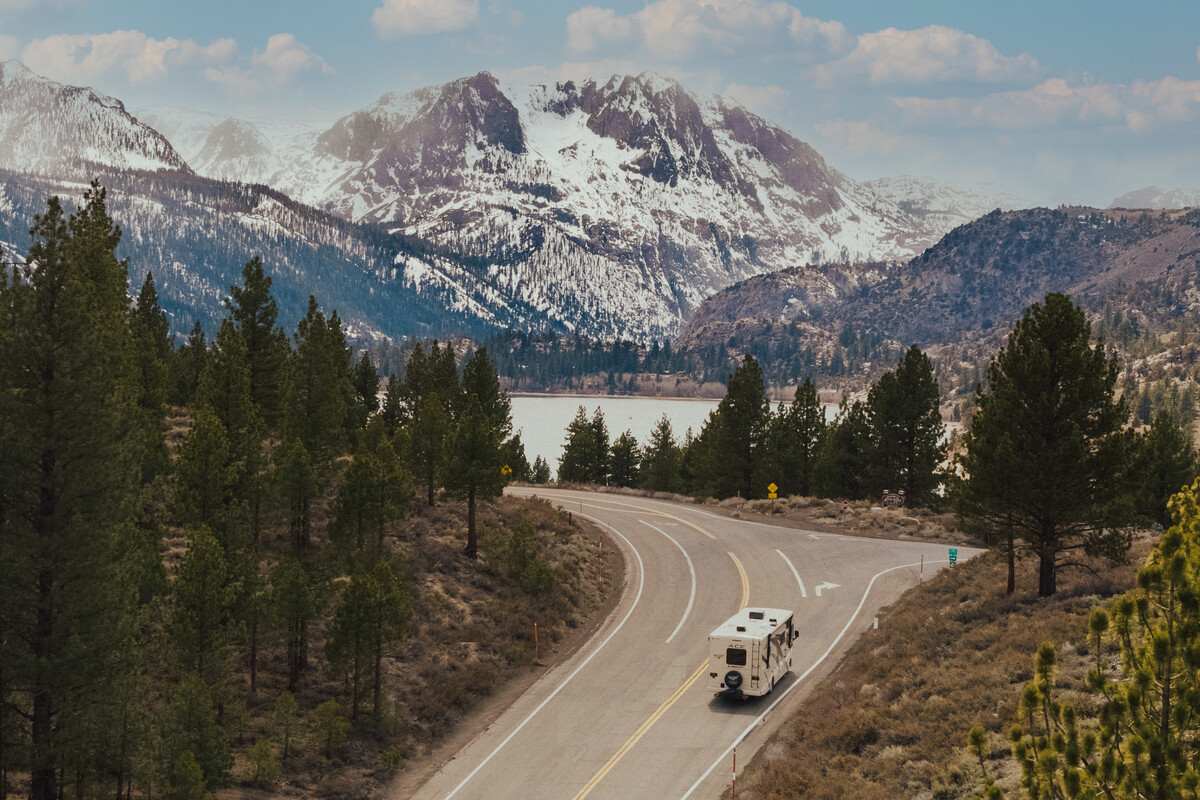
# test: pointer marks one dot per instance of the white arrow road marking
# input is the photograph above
(721, 759)
(826, 585)
(691, 569)
(787, 561)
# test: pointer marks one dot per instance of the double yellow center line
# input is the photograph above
(666, 704)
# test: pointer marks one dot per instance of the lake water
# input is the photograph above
(543, 419)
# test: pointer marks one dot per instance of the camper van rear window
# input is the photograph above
(735, 657)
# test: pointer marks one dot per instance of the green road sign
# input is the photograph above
(953, 555)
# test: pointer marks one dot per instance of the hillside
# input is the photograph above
(969, 287)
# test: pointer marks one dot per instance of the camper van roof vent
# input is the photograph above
(756, 615)
(741, 628)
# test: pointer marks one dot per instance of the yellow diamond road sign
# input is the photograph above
(772, 488)
(506, 470)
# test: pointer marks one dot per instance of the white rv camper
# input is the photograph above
(750, 652)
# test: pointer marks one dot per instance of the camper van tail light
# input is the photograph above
(712, 674)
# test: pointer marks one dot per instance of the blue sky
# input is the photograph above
(1058, 101)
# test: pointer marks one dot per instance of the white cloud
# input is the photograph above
(760, 99)
(85, 58)
(9, 45)
(926, 55)
(677, 30)
(397, 18)
(860, 138)
(285, 60)
(1055, 102)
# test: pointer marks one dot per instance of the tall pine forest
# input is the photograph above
(224, 563)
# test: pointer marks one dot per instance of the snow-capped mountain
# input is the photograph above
(613, 208)
(1155, 198)
(49, 128)
(943, 205)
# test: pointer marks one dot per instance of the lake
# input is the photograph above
(543, 419)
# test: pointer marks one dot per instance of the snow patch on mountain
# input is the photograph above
(943, 205)
(54, 129)
(1153, 197)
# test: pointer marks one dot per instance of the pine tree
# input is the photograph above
(188, 365)
(1047, 452)
(1166, 463)
(475, 462)
(600, 458)
(373, 611)
(205, 476)
(153, 355)
(577, 464)
(321, 389)
(515, 459)
(376, 491)
(427, 441)
(793, 441)
(660, 465)
(366, 389)
(295, 607)
(203, 595)
(297, 486)
(906, 429)
(732, 443)
(844, 455)
(539, 473)
(624, 458)
(254, 312)
(190, 730)
(72, 460)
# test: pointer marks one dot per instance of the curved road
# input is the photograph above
(629, 715)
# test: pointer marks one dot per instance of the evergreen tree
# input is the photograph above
(844, 455)
(376, 492)
(475, 462)
(153, 355)
(660, 464)
(906, 429)
(731, 456)
(793, 441)
(427, 448)
(624, 459)
(577, 464)
(539, 473)
(202, 604)
(1166, 464)
(372, 614)
(205, 476)
(254, 312)
(72, 461)
(1047, 451)
(188, 365)
(515, 459)
(321, 389)
(366, 389)
(190, 729)
(600, 466)
(1135, 735)
(295, 607)
(297, 486)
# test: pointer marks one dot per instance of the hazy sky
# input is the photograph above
(1057, 100)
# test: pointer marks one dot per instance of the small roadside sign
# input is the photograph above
(771, 491)
(506, 470)
(953, 555)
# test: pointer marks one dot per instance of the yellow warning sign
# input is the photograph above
(506, 470)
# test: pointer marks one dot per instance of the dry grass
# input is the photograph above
(891, 720)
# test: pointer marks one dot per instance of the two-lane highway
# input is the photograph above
(629, 715)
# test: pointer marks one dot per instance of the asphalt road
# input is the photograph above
(628, 716)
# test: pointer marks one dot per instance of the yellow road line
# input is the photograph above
(640, 732)
(745, 582)
(652, 511)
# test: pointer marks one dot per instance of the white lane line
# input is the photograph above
(691, 569)
(561, 686)
(758, 720)
(792, 567)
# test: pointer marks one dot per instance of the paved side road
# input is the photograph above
(629, 715)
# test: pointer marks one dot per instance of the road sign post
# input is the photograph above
(953, 555)
(771, 491)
